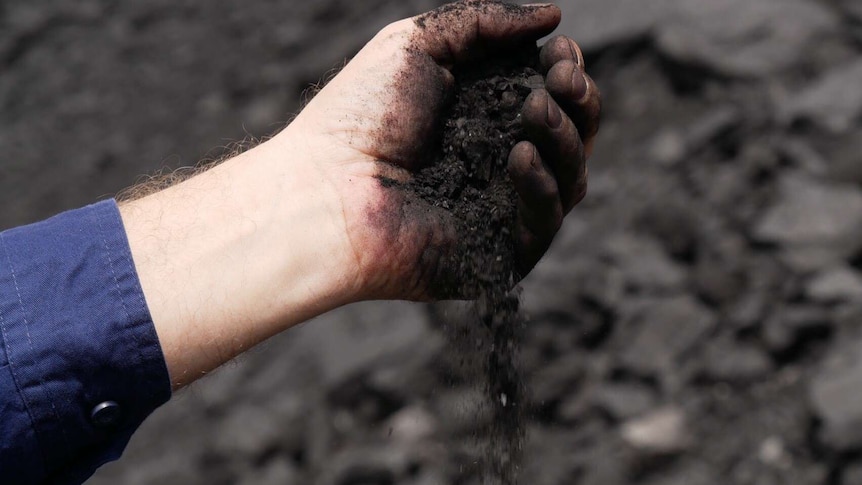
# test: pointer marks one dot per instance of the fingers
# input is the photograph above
(540, 209)
(560, 48)
(540, 203)
(455, 32)
(578, 96)
(559, 143)
(572, 88)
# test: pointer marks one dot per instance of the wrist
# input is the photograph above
(306, 233)
(328, 187)
(237, 254)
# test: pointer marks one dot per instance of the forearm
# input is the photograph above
(235, 255)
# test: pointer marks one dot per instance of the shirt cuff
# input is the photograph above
(81, 350)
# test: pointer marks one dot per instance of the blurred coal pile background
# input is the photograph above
(695, 323)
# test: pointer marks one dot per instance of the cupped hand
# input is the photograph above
(380, 117)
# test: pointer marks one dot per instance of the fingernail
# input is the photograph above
(534, 161)
(579, 85)
(576, 52)
(555, 117)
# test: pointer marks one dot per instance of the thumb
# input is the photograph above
(453, 33)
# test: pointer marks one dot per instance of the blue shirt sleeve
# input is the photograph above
(80, 361)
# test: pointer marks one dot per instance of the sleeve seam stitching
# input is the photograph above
(12, 365)
(110, 266)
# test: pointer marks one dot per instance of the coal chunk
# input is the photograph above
(623, 400)
(815, 223)
(828, 102)
(839, 284)
(668, 330)
(835, 393)
(743, 37)
(662, 432)
(791, 330)
(644, 264)
(733, 362)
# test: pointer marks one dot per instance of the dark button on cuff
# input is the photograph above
(106, 414)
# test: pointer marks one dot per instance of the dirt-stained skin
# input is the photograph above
(548, 169)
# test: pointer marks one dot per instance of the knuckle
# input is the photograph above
(547, 191)
(394, 29)
(522, 160)
(536, 106)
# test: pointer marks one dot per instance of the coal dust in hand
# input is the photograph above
(469, 180)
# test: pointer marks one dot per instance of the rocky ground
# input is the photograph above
(696, 322)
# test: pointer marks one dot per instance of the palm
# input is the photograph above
(384, 139)
(377, 121)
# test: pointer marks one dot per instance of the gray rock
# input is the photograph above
(644, 263)
(675, 223)
(604, 285)
(719, 273)
(277, 472)
(835, 393)
(817, 224)
(662, 432)
(841, 155)
(362, 338)
(552, 382)
(623, 401)
(830, 102)
(668, 329)
(854, 8)
(602, 467)
(461, 411)
(800, 153)
(550, 455)
(222, 387)
(733, 362)
(545, 292)
(429, 477)
(363, 402)
(773, 452)
(601, 23)
(586, 454)
(743, 37)
(574, 408)
(572, 256)
(852, 475)
(690, 473)
(668, 148)
(713, 124)
(167, 469)
(247, 432)
(410, 425)
(749, 310)
(793, 327)
(368, 464)
(835, 285)
(264, 113)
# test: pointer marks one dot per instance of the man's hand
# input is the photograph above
(302, 224)
(380, 115)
